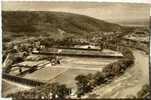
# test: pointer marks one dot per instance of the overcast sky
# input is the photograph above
(112, 12)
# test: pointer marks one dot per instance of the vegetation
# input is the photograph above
(127, 53)
(53, 90)
(59, 91)
(50, 42)
(35, 23)
(83, 85)
(137, 45)
(47, 42)
(117, 68)
(99, 78)
(6, 39)
(144, 91)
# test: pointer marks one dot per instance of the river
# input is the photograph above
(130, 82)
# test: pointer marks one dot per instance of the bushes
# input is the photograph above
(59, 91)
(48, 42)
(144, 90)
(7, 39)
(83, 84)
(99, 78)
(127, 53)
(117, 68)
(112, 69)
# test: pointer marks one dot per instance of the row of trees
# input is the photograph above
(85, 83)
(136, 44)
(49, 42)
(127, 53)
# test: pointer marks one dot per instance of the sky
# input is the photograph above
(121, 13)
(131, 1)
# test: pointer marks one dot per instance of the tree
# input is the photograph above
(48, 42)
(101, 46)
(68, 41)
(99, 77)
(59, 91)
(83, 85)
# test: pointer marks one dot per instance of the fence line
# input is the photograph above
(22, 80)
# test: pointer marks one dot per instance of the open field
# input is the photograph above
(69, 68)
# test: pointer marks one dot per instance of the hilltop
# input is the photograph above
(35, 23)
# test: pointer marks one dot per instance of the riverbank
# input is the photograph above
(130, 82)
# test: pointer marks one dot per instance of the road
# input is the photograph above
(130, 82)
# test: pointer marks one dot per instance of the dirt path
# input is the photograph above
(129, 83)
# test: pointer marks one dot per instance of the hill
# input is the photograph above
(35, 23)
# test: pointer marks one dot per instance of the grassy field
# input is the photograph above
(69, 68)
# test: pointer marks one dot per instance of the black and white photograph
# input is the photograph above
(75, 50)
